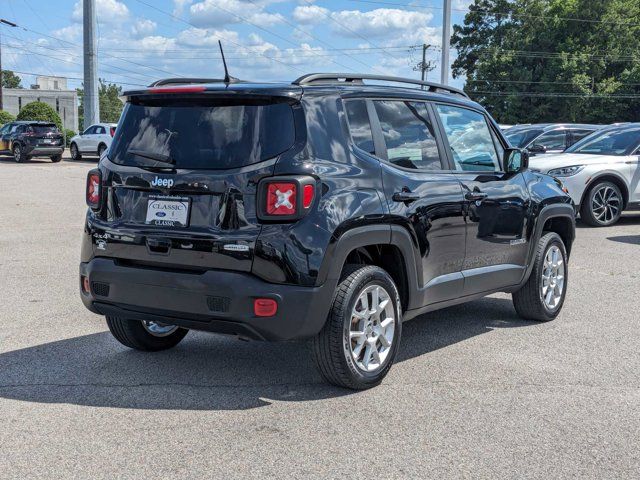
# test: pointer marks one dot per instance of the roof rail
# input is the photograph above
(189, 81)
(357, 78)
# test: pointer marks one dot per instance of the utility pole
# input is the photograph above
(91, 104)
(446, 40)
(11, 24)
(424, 67)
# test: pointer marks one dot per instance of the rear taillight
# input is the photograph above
(112, 131)
(94, 189)
(285, 198)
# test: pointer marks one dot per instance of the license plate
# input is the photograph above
(47, 140)
(168, 211)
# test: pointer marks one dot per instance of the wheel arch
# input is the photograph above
(608, 176)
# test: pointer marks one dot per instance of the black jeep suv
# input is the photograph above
(329, 209)
(26, 139)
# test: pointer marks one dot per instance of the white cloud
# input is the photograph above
(217, 13)
(205, 37)
(72, 33)
(143, 27)
(310, 14)
(179, 6)
(107, 11)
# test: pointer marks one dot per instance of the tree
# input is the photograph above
(532, 61)
(40, 111)
(10, 79)
(6, 117)
(110, 104)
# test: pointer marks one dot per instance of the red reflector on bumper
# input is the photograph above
(85, 284)
(265, 307)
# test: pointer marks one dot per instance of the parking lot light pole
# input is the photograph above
(446, 41)
(11, 24)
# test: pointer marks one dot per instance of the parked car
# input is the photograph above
(601, 172)
(547, 138)
(26, 139)
(93, 141)
(327, 208)
(504, 126)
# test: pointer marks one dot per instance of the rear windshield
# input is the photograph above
(43, 129)
(202, 136)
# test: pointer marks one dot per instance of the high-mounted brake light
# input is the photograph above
(94, 189)
(285, 198)
(180, 89)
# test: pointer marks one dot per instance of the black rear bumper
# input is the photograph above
(216, 300)
(44, 151)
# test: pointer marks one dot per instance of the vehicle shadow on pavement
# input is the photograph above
(208, 372)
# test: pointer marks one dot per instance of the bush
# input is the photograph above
(40, 111)
(68, 134)
(6, 117)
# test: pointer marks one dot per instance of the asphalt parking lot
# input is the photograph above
(476, 393)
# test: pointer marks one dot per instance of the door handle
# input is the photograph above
(475, 196)
(406, 197)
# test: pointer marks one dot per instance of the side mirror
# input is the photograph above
(538, 148)
(516, 160)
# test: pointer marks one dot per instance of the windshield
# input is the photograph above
(43, 129)
(612, 142)
(522, 138)
(202, 135)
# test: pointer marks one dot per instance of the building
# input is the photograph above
(50, 90)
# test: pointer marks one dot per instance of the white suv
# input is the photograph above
(601, 172)
(93, 141)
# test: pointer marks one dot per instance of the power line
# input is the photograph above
(559, 95)
(80, 78)
(533, 82)
(506, 14)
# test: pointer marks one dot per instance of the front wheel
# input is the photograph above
(542, 297)
(602, 206)
(145, 335)
(360, 339)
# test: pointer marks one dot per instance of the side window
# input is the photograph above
(552, 140)
(499, 147)
(14, 128)
(5, 129)
(20, 129)
(359, 125)
(408, 134)
(470, 139)
(90, 131)
(100, 131)
(577, 135)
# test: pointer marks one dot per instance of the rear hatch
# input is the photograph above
(43, 135)
(181, 177)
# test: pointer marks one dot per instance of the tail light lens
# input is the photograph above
(112, 131)
(265, 307)
(94, 189)
(285, 198)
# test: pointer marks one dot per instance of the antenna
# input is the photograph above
(227, 78)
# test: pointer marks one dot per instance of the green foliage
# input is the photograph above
(6, 117)
(528, 61)
(69, 134)
(40, 111)
(10, 79)
(110, 104)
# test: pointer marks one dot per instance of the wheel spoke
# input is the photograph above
(383, 341)
(375, 299)
(356, 335)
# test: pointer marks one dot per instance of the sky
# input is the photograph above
(140, 41)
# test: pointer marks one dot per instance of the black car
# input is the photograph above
(26, 139)
(329, 208)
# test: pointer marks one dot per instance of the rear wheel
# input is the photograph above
(542, 297)
(361, 337)
(602, 206)
(18, 153)
(145, 335)
(56, 158)
(75, 153)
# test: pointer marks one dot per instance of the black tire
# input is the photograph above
(331, 348)
(528, 301)
(75, 153)
(56, 158)
(101, 149)
(133, 334)
(18, 154)
(596, 218)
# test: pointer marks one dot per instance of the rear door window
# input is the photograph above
(100, 131)
(199, 135)
(359, 125)
(470, 139)
(552, 140)
(408, 134)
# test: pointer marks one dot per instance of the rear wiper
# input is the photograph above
(158, 157)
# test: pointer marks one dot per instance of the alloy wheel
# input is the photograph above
(605, 204)
(17, 153)
(372, 328)
(553, 274)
